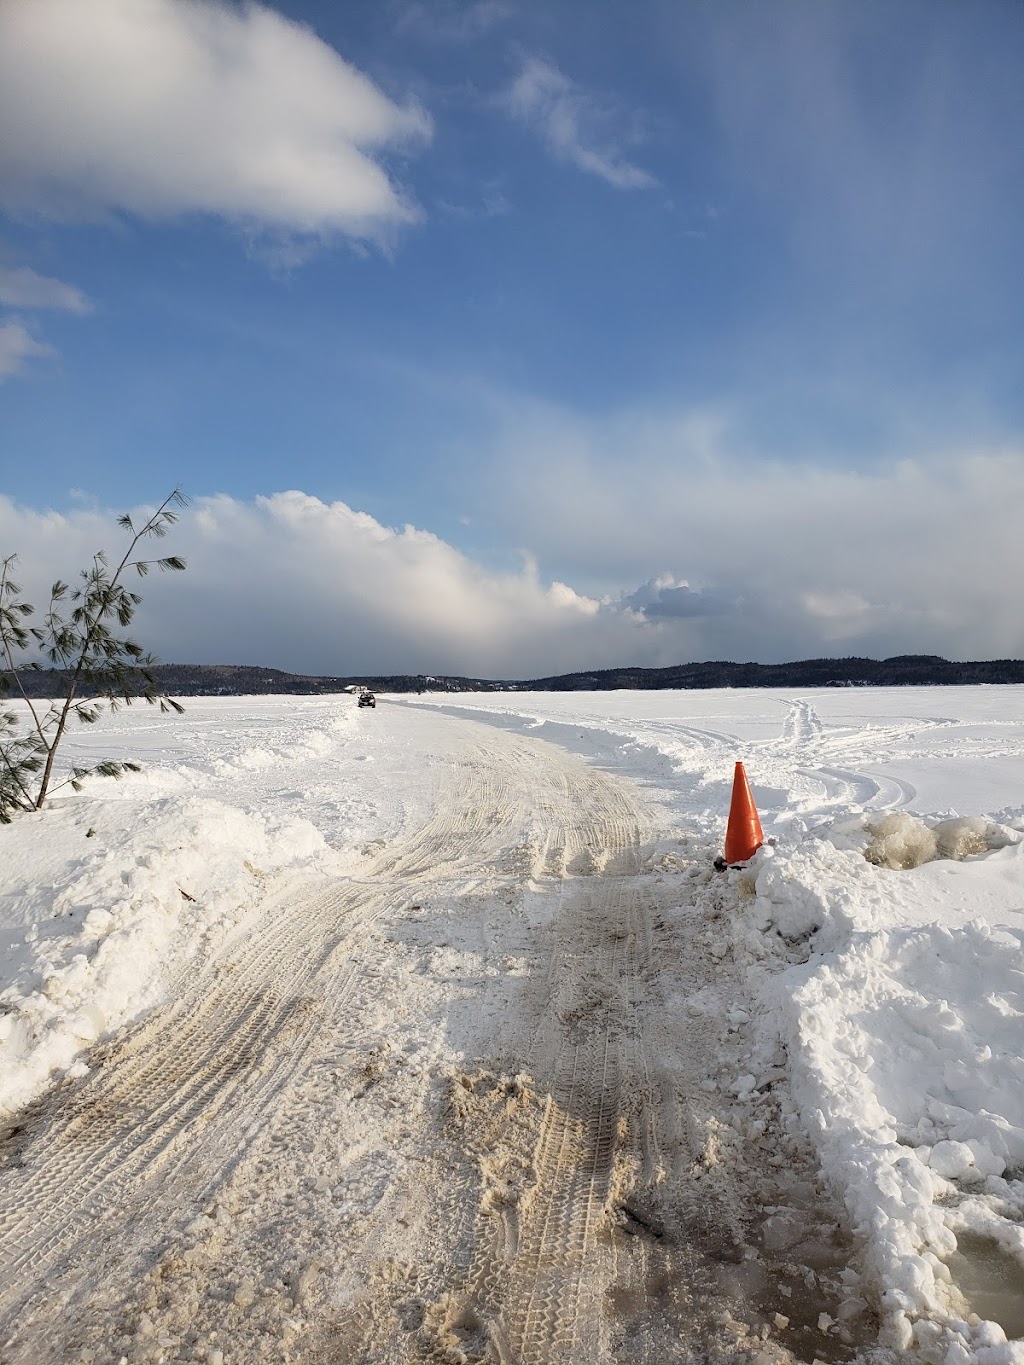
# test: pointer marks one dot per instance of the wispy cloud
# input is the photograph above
(163, 108)
(452, 21)
(18, 345)
(490, 203)
(23, 288)
(902, 172)
(574, 124)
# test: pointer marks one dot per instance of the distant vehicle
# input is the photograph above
(367, 699)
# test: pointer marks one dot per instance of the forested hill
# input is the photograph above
(899, 671)
(191, 680)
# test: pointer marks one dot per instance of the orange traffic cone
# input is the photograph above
(744, 835)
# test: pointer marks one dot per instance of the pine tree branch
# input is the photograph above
(9, 657)
(15, 776)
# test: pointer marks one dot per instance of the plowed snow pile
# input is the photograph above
(401, 959)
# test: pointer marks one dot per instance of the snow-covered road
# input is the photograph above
(431, 1033)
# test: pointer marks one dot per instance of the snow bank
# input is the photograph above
(107, 944)
(904, 1037)
(108, 896)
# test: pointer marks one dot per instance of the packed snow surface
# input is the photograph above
(864, 993)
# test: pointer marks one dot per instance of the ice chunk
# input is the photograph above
(899, 841)
(961, 839)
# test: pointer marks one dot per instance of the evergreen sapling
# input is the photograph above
(99, 669)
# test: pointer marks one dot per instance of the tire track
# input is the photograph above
(538, 1289)
(514, 1281)
(563, 1266)
(170, 1105)
(215, 1056)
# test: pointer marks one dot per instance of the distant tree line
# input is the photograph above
(902, 670)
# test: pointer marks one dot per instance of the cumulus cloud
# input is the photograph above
(574, 124)
(294, 582)
(762, 562)
(23, 288)
(168, 107)
(17, 345)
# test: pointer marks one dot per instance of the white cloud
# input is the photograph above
(758, 562)
(572, 123)
(23, 288)
(563, 596)
(167, 107)
(17, 344)
(759, 559)
(294, 582)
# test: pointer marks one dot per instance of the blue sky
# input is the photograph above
(675, 330)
